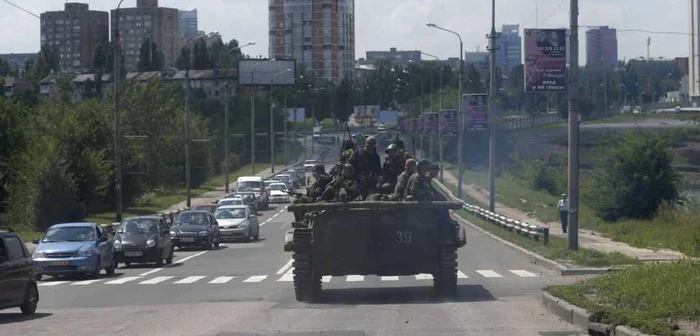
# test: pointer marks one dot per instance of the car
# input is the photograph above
(286, 179)
(206, 207)
(195, 229)
(256, 185)
(295, 178)
(267, 183)
(309, 165)
(238, 222)
(143, 239)
(278, 193)
(18, 286)
(249, 198)
(236, 200)
(74, 248)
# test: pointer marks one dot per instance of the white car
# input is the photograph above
(230, 201)
(309, 165)
(278, 193)
(237, 222)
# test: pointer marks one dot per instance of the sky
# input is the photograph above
(381, 24)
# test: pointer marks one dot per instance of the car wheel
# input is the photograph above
(218, 242)
(159, 262)
(250, 235)
(127, 264)
(169, 260)
(31, 299)
(112, 267)
(210, 244)
(96, 273)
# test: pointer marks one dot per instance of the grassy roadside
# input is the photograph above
(556, 250)
(640, 117)
(661, 299)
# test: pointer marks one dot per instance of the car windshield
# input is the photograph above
(231, 202)
(203, 207)
(192, 218)
(280, 187)
(249, 185)
(69, 234)
(139, 226)
(310, 162)
(229, 213)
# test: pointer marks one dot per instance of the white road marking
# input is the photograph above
(389, 278)
(288, 276)
(489, 274)
(52, 283)
(355, 278)
(85, 282)
(155, 280)
(424, 276)
(190, 279)
(175, 262)
(122, 280)
(274, 216)
(523, 273)
(461, 275)
(256, 278)
(326, 278)
(284, 268)
(221, 280)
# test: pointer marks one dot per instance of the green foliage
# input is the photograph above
(633, 177)
(538, 175)
(4, 68)
(150, 57)
(201, 59)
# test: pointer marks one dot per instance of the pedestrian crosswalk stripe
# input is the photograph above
(489, 274)
(85, 282)
(221, 280)
(424, 277)
(355, 278)
(52, 283)
(190, 279)
(256, 278)
(461, 275)
(389, 278)
(122, 280)
(523, 273)
(155, 280)
(326, 278)
(289, 276)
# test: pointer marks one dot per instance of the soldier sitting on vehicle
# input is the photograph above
(346, 156)
(313, 191)
(367, 167)
(348, 189)
(432, 174)
(402, 180)
(419, 187)
(392, 167)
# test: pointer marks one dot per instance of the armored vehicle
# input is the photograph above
(384, 238)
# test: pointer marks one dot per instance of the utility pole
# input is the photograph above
(226, 158)
(286, 115)
(117, 134)
(188, 168)
(272, 133)
(573, 128)
(491, 108)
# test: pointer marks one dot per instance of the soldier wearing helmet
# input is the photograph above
(346, 156)
(419, 187)
(368, 166)
(313, 191)
(392, 167)
(402, 180)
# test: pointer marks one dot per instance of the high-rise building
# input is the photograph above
(319, 34)
(479, 59)
(395, 56)
(682, 64)
(188, 23)
(509, 44)
(694, 57)
(77, 31)
(147, 21)
(601, 45)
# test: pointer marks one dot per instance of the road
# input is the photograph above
(246, 289)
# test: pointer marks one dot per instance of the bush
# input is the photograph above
(633, 178)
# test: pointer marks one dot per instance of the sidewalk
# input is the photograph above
(587, 238)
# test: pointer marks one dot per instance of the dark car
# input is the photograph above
(17, 282)
(195, 229)
(206, 207)
(143, 239)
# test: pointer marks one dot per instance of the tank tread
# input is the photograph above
(445, 282)
(307, 285)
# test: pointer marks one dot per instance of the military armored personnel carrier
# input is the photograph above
(373, 238)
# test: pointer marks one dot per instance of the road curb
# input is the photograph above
(537, 259)
(581, 318)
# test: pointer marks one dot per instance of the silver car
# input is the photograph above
(237, 222)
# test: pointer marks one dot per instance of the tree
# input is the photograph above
(150, 58)
(4, 68)
(201, 59)
(184, 59)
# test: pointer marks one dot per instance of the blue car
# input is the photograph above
(74, 248)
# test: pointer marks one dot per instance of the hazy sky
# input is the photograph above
(381, 24)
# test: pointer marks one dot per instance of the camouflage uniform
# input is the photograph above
(401, 183)
(419, 188)
(368, 168)
(313, 191)
(348, 189)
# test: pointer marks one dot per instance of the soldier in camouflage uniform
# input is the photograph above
(313, 191)
(432, 174)
(346, 156)
(392, 167)
(348, 189)
(402, 180)
(419, 187)
(367, 166)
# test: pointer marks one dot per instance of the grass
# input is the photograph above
(661, 298)
(556, 250)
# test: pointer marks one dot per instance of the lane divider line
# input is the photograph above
(274, 216)
(171, 265)
(284, 268)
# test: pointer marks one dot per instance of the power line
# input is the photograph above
(549, 16)
(644, 31)
(22, 9)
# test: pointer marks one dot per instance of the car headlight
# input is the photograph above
(203, 233)
(38, 254)
(84, 252)
(117, 244)
(150, 243)
(244, 224)
(173, 233)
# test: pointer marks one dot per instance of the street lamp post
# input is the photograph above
(117, 139)
(272, 123)
(491, 112)
(422, 93)
(439, 115)
(252, 114)
(460, 129)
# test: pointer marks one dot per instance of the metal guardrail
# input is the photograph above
(536, 232)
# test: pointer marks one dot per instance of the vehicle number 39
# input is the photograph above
(403, 237)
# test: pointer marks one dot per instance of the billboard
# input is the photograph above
(448, 123)
(430, 123)
(410, 125)
(545, 60)
(475, 109)
(266, 72)
(366, 110)
(296, 115)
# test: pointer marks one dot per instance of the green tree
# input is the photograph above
(184, 60)
(634, 177)
(150, 58)
(4, 68)
(201, 59)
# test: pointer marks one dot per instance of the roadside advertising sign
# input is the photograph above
(430, 123)
(475, 108)
(545, 60)
(448, 122)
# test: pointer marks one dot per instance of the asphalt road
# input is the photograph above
(247, 289)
